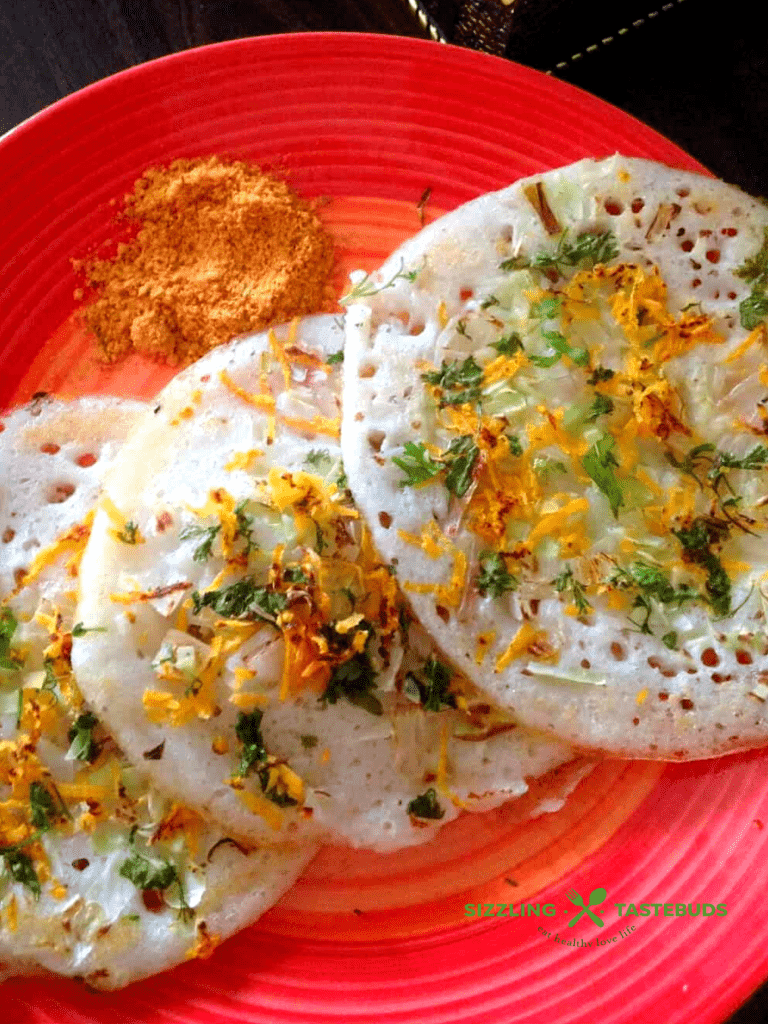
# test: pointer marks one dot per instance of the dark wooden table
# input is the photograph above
(697, 74)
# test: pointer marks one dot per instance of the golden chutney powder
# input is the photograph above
(222, 249)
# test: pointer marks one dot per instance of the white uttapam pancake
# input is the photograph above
(251, 630)
(101, 876)
(54, 455)
(555, 425)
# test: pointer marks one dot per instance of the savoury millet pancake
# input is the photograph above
(102, 877)
(247, 625)
(555, 426)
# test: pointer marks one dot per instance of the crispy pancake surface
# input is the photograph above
(248, 626)
(555, 426)
(102, 877)
(54, 457)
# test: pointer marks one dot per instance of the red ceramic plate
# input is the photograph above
(371, 123)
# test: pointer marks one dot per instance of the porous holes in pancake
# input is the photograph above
(60, 492)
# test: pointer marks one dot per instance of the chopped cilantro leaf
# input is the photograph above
(544, 362)
(458, 382)
(244, 523)
(335, 357)
(21, 869)
(208, 533)
(708, 454)
(320, 544)
(560, 344)
(599, 375)
(754, 269)
(148, 875)
(753, 310)
(697, 540)
(83, 747)
(460, 459)
(692, 460)
(694, 537)
(254, 757)
(426, 805)
(8, 626)
(129, 533)
(546, 308)
(652, 584)
(589, 248)
(543, 465)
(717, 477)
(757, 458)
(248, 731)
(717, 463)
(295, 574)
(354, 679)
(436, 693)
(565, 583)
(494, 579)
(43, 809)
(515, 446)
(417, 464)
(599, 463)
(319, 458)
(508, 344)
(515, 263)
(365, 288)
(51, 680)
(241, 600)
(670, 640)
(580, 356)
(601, 406)
(79, 629)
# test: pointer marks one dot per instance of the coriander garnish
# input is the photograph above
(494, 579)
(426, 805)
(599, 463)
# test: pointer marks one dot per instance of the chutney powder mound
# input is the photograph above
(222, 249)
